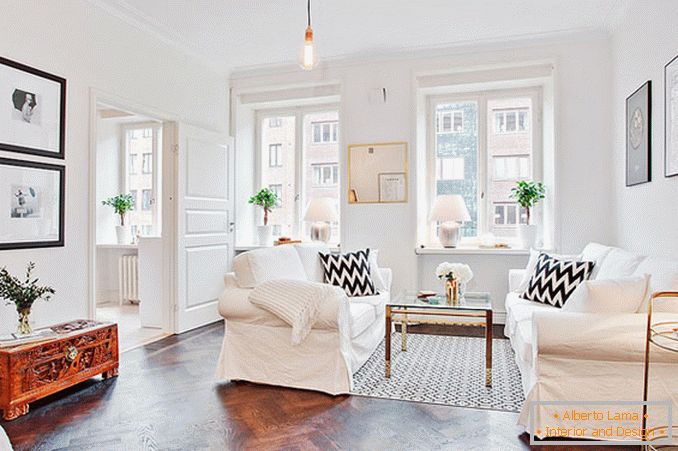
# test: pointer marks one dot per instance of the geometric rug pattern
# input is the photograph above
(447, 370)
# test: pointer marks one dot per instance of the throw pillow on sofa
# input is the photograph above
(350, 271)
(553, 280)
(623, 295)
(532, 262)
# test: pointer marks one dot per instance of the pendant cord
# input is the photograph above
(308, 12)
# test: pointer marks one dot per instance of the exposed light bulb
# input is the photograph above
(308, 59)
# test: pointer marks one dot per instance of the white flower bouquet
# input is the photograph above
(457, 271)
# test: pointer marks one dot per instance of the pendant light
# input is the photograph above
(308, 54)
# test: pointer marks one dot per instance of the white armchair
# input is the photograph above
(257, 345)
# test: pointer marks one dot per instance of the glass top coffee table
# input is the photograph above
(408, 308)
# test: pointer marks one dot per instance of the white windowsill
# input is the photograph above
(251, 247)
(116, 246)
(469, 250)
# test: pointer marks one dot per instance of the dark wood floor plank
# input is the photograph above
(166, 398)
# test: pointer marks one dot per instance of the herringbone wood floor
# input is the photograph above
(166, 398)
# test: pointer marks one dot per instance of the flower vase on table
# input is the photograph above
(456, 276)
(452, 291)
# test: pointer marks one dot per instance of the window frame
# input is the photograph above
(485, 206)
(334, 132)
(278, 157)
(298, 112)
(452, 113)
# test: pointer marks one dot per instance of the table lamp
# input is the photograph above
(320, 213)
(450, 210)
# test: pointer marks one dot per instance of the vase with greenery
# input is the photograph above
(23, 294)
(267, 200)
(528, 193)
(122, 204)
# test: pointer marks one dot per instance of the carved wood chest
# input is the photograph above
(80, 350)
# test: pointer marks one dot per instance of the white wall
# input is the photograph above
(109, 163)
(645, 215)
(582, 198)
(92, 49)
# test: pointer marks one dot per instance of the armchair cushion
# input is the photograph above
(310, 259)
(272, 263)
(619, 263)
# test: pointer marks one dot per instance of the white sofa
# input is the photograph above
(566, 356)
(257, 345)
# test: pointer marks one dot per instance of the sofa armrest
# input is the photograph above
(387, 275)
(230, 280)
(515, 276)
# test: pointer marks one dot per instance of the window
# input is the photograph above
(143, 144)
(275, 155)
(511, 120)
(511, 167)
(274, 122)
(146, 199)
(309, 171)
(509, 214)
(469, 157)
(277, 189)
(324, 132)
(450, 121)
(147, 163)
(325, 174)
(450, 168)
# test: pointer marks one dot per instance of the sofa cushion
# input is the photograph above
(275, 263)
(350, 271)
(554, 280)
(378, 301)
(663, 277)
(379, 282)
(619, 263)
(362, 317)
(623, 295)
(518, 310)
(594, 252)
(310, 259)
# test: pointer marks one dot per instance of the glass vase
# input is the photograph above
(452, 291)
(24, 327)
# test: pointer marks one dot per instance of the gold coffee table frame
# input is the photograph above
(659, 334)
(473, 305)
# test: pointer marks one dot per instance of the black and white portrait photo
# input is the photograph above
(32, 110)
(638, 132)
(25, 106)
(25, 203)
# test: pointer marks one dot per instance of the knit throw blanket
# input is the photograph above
(297, 302)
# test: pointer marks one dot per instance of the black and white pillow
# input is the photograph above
(350, 271)
(553, 280)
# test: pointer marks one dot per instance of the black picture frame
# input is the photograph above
(668, 118)
(61, 169)
(638, 131)
(61, 154)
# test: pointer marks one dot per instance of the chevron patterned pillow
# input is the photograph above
(553, 280)
(350, 271)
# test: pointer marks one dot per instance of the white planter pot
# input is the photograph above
(265, 235)
(124, 234)
(527, 235)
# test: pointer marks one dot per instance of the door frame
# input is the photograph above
(98, 96)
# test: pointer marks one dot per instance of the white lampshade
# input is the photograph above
(321, 209)
(449, 207)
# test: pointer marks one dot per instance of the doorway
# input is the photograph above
(128, 240)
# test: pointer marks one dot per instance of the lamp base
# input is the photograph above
(448, 233)
(321, 232)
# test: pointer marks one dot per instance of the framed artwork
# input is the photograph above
(32, 110)
(671, 118)
(32, 197)
(392, 187)
(377, 173)
(638, 135)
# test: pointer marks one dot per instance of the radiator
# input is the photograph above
(128, 278)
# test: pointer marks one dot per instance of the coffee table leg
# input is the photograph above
(488, 348)
(387, 341)
(403, 333)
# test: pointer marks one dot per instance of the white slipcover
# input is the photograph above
(566, 356)
(5, 445)
(257, 344)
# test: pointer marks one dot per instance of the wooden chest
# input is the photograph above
(80, 350)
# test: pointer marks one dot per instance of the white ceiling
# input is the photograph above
(231, 34)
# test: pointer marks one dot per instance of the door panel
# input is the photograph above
(204, 208)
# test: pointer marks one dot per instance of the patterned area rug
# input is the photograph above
(444, 370)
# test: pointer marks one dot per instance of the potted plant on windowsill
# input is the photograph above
(122, 204)
(23, 295)
(528, 193)
(267, 200)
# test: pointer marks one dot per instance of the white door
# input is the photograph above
(203, 211)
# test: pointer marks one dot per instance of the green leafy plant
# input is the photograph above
(23, 294)
(527, 193)
(122, 203)
(265, 199)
